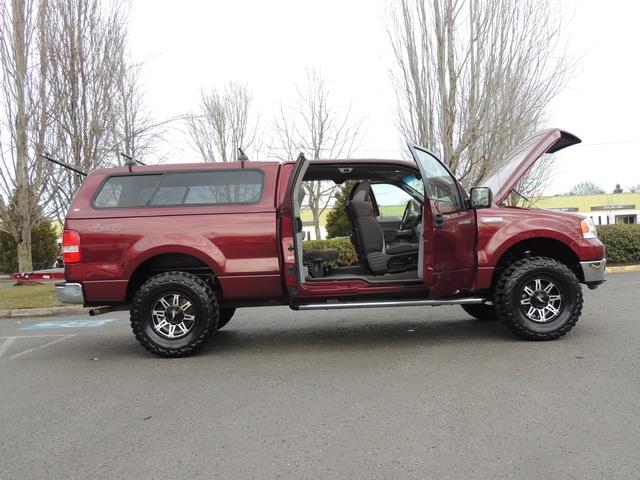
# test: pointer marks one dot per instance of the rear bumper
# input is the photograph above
(69, 293)
(593, 272)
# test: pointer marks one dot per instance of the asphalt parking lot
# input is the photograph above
(424, 393)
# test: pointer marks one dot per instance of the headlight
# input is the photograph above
(588, 228)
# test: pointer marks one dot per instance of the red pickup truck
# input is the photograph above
(182, 246)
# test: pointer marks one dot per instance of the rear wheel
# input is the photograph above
(174, 314)
(225, 317)
(539, 298)
(483, 312)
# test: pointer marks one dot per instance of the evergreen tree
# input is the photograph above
(44, 248)
(338, 224)
(618, 188)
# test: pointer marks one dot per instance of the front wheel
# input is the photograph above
(539, 298)
(174, 314)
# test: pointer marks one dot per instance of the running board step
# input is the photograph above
(389, 303)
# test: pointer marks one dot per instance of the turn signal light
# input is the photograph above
(70, 246)
(588, 228)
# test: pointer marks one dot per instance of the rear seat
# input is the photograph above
(316, 260)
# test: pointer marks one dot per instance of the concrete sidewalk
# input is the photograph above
(42, 312)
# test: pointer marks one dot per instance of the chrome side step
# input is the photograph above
(389, 303)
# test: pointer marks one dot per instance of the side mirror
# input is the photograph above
(481, 197)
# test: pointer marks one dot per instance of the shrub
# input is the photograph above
(44, 248)
(347, 256)
(622, 242)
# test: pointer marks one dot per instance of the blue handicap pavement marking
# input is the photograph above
(90, 322)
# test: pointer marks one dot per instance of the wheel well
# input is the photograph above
(171, 262)
(543, 247)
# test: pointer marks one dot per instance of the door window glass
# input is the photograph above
(439, 184)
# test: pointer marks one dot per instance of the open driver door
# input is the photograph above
(449, 229)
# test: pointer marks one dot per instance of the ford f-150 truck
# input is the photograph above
(183, 245)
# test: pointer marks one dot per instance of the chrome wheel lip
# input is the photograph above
(172, 316)
(541, 300)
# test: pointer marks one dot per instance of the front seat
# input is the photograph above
(369, 237)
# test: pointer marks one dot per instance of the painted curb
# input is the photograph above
(623, 268)
(42, 312)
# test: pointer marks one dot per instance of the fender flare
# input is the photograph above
(203, 250)
(499, 250)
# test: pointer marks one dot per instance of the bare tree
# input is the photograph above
(222, 125)
(67, 90)
(586, 188)
(24, 122)
(88, 88)
(134, 133)
(473, 78)
(313, 125)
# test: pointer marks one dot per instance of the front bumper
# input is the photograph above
(593, 272)
(69, 292)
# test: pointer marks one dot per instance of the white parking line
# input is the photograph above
(4, 347)
(6, 344)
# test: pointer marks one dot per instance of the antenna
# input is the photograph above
(64, 164)
(242, 157)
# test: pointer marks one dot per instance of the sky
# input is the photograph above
(191, 45)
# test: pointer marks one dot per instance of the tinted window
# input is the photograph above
(192, 188)
(127, 191)
(209, 188)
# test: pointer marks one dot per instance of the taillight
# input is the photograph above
(70, 246)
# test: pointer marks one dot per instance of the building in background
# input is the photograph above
(605, 209)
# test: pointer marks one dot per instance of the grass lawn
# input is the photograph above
(28, 296)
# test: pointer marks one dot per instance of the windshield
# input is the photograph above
(414, 183)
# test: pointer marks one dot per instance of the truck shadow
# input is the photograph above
(355, 335)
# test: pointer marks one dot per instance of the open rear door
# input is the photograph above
(449, 229)
(291, 226)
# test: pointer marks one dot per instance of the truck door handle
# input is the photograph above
(439, 222)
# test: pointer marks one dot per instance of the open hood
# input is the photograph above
(506, 174)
